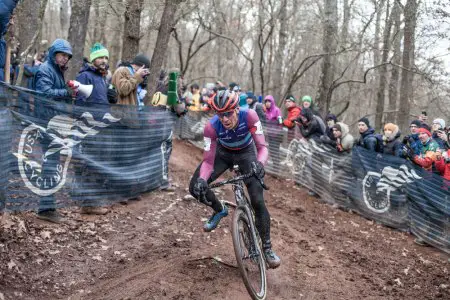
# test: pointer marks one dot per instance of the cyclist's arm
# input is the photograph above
(209, 151)
(255, 127)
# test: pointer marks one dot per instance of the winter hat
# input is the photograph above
(441, 122)
(307, 99)
(242, 99)
(141, 60)
(417, 123)
(98, 50)
(424, 130)
(331, 117)
(426, 126)
(290, 97)
(365, 121)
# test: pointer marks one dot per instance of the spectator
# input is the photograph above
(293, 112)
(310, 127)
(443, 166)
(412, 141)
(95, 74)
(253, 103)
(344, 140)
(196, 105)
(368, 138)
(233, 86)
(308, 102)
(128, 81)
(391, 140)
(49, 79)
(243, 101)
(428, 151)
(438, 133)
(328, 137)
(6, 9)
(272, 110)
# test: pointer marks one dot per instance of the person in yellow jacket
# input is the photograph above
(196, 105)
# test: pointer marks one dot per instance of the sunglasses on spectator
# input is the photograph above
(227, 114)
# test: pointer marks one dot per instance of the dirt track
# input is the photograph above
(156, 249)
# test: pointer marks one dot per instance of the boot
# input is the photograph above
(92, 210)
(212, 223)
(272, 259)
(50, 216)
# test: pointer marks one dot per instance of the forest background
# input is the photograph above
(386, 59)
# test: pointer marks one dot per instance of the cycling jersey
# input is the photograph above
(247, 131)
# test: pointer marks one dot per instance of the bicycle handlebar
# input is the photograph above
(237, 179)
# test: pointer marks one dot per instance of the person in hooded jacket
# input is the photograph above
(391, 140)
(6, 9)
(272, 110)
(49, 79)
(273, 129)
(253, 103)
(310, 127)
(368, 139)
(344, 140)
(94, 73)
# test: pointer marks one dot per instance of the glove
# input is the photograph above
(112, 95)
(258, 169)
(200, 187)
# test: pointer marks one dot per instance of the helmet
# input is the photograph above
(225, 100)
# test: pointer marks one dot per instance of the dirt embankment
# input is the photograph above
(156, 249)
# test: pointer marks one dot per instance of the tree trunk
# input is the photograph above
(345, 23)
(27, 18)
(132, 29)
(280, 52)
(383, 70)
(329, 45)
(162, 41)
(406, 87)
(395, 72)
(64, 17)
(77, 34)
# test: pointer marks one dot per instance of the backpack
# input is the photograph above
(380, 142)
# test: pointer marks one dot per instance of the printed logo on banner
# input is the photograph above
(63, 133)
(377, 188)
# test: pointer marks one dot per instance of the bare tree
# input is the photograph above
(160, 51)
(280, 52)
(26, 19)
(77, 33)
(410, 13)
(395, 72)
(132, 29)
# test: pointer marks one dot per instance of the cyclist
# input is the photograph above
(234, 137)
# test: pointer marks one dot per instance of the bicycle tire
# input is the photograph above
(242, 228)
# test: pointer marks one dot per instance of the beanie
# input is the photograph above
(307, 99)
(417, 123)
(365, 121)
(307, 113)
(441, 122)
(331, 117)
(242, 99)
(290, 97)
(251, 95)
(424, 130)
(141, 60)
(425, 125)
(98, 50)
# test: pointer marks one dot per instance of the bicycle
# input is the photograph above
(246, 241)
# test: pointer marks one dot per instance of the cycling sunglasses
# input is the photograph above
(227, 114)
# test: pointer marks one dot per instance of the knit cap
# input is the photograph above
(141, 60)
(424, 130)
(307, 99)
(366, 121)
(440, 122)
(417, 123)
(98, 50)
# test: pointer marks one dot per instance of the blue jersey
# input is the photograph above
(233, 139)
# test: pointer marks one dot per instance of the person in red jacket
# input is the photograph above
(293, 112)
(442, 164)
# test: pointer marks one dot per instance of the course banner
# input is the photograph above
(55, 154)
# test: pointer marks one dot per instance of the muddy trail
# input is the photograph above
(156, 249)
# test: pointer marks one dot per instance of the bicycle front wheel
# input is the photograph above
(249, 256)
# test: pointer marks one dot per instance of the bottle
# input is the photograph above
(280, 120)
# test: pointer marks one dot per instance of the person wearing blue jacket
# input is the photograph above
(94, 73)
(6, 9)
(368, 138)
(49, 79)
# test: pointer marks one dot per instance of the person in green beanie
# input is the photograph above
(306, 101)
(94, 73)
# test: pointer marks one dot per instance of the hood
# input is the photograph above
(272, 101)
(59, 45)
(344, 128)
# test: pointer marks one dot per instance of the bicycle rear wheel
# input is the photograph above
(249, 256)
